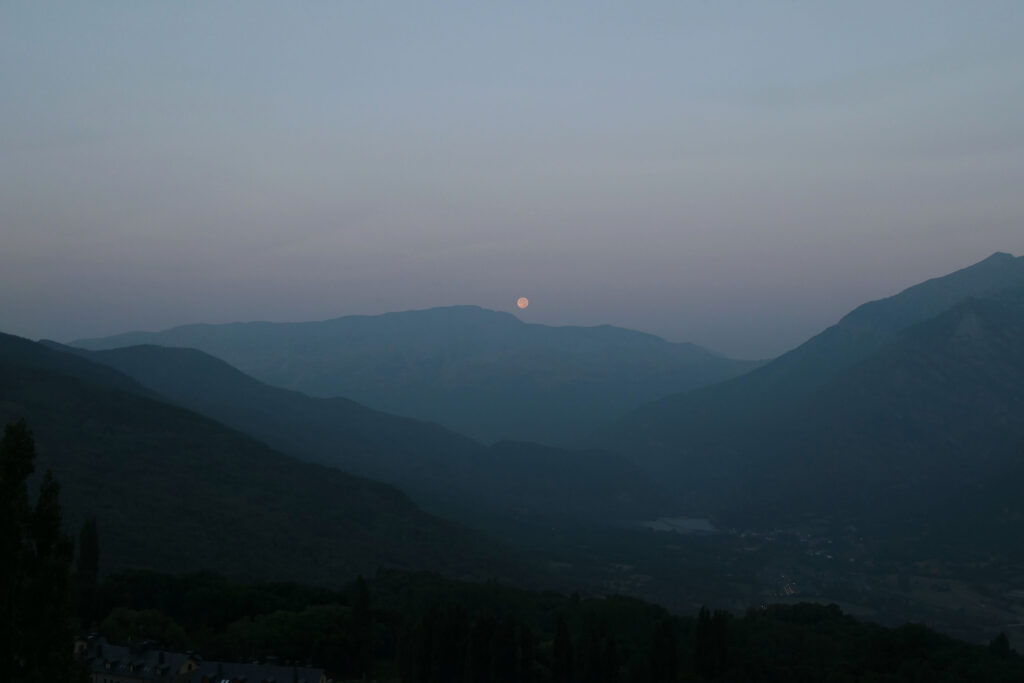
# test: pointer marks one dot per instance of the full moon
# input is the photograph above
(522, 302)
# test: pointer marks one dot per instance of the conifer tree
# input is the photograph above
(561, 665)
(35, 633)
(363, 617)
(664, 658)
(87, 573)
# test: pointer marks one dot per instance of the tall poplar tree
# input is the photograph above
(562, 657)
(87, 573)
(35, 634)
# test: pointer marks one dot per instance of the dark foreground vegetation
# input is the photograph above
(420, 627)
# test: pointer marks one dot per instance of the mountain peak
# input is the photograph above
(457, 310)
(998, 257)
(931, 297)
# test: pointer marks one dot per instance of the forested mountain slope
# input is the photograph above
(446, 472)
(176, 491)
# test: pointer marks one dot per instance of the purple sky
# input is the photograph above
(734, 174)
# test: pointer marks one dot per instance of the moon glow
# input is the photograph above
(522, 302)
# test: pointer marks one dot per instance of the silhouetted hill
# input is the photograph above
(920, 429)
(480, 372)
(444, 471)
(905, 413)
(869, 326)
(176, 491)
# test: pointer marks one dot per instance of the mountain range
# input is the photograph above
(481, 373)
(447, 473)
(903, 419)
(176, 491)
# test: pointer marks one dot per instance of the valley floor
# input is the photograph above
(963, 596)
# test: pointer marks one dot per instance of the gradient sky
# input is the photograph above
(736, 174)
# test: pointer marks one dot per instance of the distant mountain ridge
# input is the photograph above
(908, 410)
(871, 325)
(444, 471)
(483, 373)
(176, 491)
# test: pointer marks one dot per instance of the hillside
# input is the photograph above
(176, 491)
(444, 471)
(897, 414)
(481, 373)
(926, 426)
(872, 325)
(928, 430)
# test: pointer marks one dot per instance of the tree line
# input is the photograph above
(421, 628)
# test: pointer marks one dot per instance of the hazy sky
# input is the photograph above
(737, 174)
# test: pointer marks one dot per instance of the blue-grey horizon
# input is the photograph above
(737, 175)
